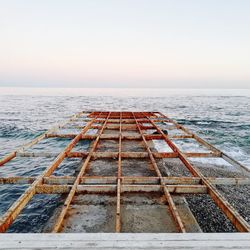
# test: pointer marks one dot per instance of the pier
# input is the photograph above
(123, 171)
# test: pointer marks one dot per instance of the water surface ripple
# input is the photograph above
(223, 121)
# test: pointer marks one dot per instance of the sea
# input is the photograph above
(220, 116)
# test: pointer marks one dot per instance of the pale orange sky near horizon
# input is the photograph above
(139, 43)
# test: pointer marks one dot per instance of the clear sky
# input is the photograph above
(125, 43)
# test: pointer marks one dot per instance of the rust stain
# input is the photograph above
(122, 123)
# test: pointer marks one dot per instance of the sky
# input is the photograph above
(125, 43)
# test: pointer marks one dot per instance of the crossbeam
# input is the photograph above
(67, 180)
(120, 129)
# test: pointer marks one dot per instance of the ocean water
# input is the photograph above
(220, 117)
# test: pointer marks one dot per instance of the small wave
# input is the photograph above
(203, 123)
(232, 150)
(15, 131)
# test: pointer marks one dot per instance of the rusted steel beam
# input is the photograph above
(71, 194)
(175, 189)
(229, 181)
(226, 157)
(112, 188)
(7, 158)
(126, 115)
(119, 174)
(125, 128)
(237, 220)
(7, 219)
(63, 180)
(124, 122)
(202, 155)
(12, 155)
(156, 180)
(172, 206)
(59, 180)
(112, 155)
(99, 180)
(131, 121)
(53, 189)
(63, 154)
(115, 155)
(67, 180)
(40, 154)
(17, 180)
(118, 207)
(61, 135)
(232, 161)
(116, 137)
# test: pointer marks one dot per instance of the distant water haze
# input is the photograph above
(122, 92)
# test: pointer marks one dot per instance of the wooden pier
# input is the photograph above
(139, 130)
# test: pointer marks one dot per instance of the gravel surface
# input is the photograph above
(207, 214)
(213, 170)
(239, 198)
(173, 167)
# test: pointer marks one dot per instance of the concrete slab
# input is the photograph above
(126, 241)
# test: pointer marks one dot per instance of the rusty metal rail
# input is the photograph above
(142, 127)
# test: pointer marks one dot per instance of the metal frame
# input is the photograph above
(122, 122)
